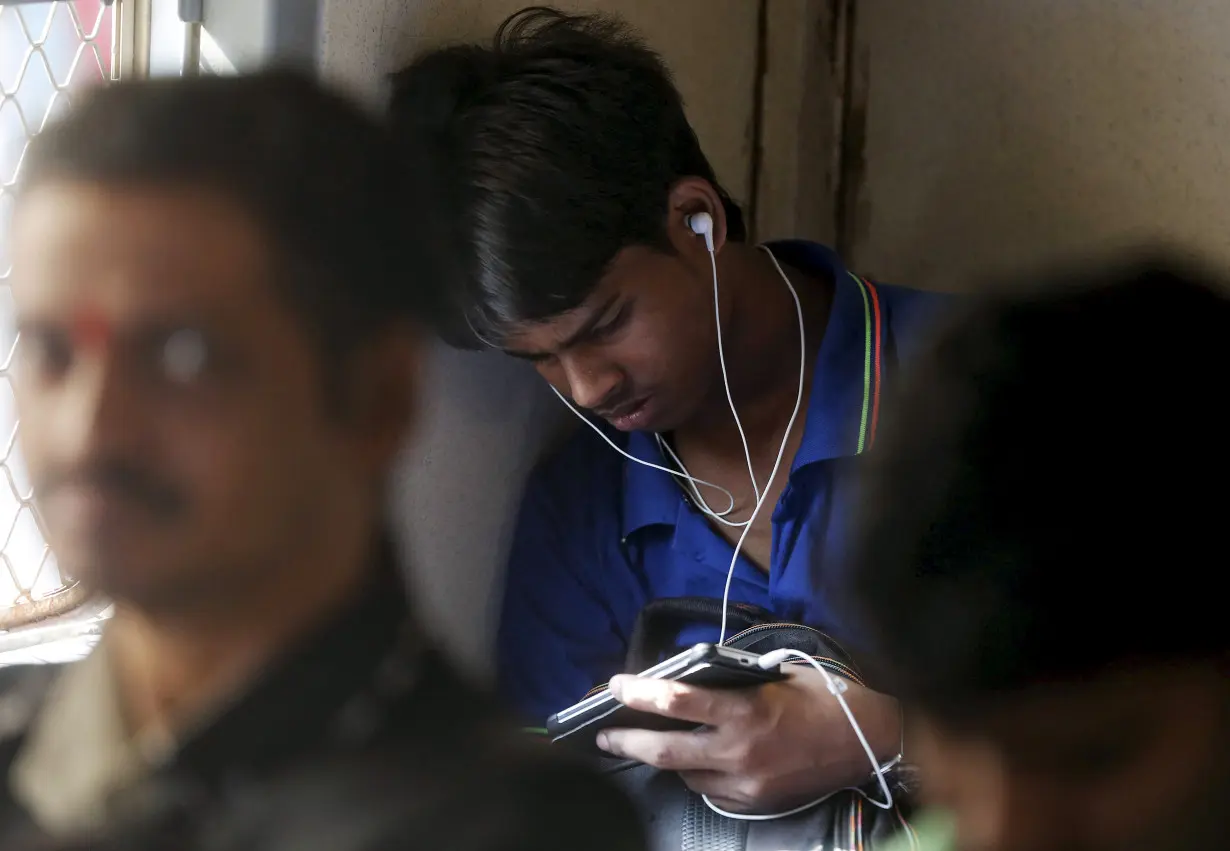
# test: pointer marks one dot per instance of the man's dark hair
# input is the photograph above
(1048, 501)
(557, 147)
(322, 178)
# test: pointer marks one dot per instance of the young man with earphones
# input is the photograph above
(728, 392)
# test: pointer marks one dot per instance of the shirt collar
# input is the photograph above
(844, 402)
(845, 388)
(78, 751)
(651, 496)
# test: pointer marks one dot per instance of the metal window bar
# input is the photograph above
(48, 50)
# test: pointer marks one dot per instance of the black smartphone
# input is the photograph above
(708, 665)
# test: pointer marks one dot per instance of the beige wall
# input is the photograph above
(802, 75)
(1001, 133)
(710, 45)
(487, 417)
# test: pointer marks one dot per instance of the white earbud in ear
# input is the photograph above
(702, 225)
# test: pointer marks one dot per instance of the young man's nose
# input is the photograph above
(590, 385)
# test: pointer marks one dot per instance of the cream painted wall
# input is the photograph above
(710, 45)
(1001, 133)
(485, 417)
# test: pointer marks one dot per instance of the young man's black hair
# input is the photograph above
(556, 146)
(1038, 566)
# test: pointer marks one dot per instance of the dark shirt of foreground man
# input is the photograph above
(218, 348)
(1045, 526)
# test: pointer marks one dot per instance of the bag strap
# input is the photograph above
(658, 624)
(705, 830)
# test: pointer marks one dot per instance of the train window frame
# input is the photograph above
(48, 49)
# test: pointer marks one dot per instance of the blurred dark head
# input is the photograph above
(1038, 561)
(217, 309)
(568, 167)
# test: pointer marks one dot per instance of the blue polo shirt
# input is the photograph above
(600, 536)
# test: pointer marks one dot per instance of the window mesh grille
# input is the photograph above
(48, 51)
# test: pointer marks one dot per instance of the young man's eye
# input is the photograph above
(609, 327)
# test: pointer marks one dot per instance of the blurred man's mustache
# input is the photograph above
(117, 480)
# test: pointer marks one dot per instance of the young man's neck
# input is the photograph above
(174, 665)
(761, 344)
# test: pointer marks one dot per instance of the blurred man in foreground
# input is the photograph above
(216, 367)
(1045, 528)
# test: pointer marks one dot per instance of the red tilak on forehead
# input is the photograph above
(91, 329)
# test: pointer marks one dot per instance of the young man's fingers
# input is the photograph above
(672, 751)
(712, 707)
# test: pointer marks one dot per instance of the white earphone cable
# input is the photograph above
(631, 457)
(694, 492)
(781, 452)
(837, 688)
(717, 317)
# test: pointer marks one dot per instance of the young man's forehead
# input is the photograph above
(554, 333)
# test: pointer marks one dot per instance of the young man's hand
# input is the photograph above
(762, 749)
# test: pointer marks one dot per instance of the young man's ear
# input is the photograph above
(688, 197)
